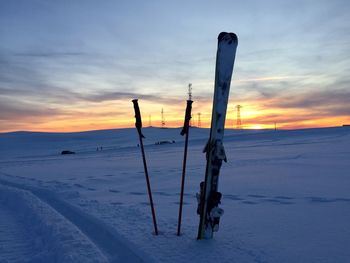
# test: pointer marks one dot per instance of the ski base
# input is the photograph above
(209, 197)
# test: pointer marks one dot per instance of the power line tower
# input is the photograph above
(239, 122)
(199, 120)
(150, 120)
(163, 119)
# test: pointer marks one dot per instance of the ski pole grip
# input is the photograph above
(138, 123)
(187, 118)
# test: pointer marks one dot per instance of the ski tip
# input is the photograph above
(227, 36)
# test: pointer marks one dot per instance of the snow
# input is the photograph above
(48, 234)
(285, 195)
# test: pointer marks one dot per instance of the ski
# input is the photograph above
(209, 198)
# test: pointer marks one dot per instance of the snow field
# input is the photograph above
(285, 193)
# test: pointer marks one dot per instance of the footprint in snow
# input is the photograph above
(177, 203)
(279, 202)
(257, 196)
(136, 193)
(116, 203)
(114, 191)
(249, 202)
(163, 193)
(232, 197)
(314, 199)
(284, 197)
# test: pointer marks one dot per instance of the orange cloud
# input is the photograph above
(299, 111)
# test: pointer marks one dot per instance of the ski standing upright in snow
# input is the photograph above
(209, 198)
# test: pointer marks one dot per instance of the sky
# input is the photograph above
(76, 65)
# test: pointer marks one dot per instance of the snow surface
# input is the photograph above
(285, 194)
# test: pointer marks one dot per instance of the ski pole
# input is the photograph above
(185, 130)
(138, 125)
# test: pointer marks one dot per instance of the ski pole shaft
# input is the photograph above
(185, 130)
(149, 187)
(138, 126)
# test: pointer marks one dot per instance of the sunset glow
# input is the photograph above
(69, 73)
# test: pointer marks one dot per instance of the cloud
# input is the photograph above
(108, 96)
(14, 111)
(49, 54)
(322, 100)
(271, 78)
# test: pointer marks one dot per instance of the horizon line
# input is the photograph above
(168, 128)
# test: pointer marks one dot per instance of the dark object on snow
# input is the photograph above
(67, 152)
(164, 142)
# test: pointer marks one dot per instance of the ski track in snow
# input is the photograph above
(114, 246)
(53, 238)
(15, 240)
